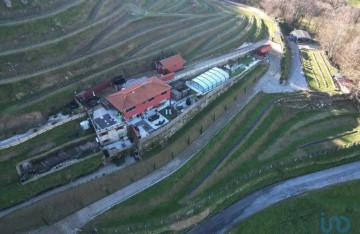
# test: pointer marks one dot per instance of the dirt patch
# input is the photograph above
(15, 124)
(190, 221)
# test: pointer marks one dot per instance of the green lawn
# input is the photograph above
(318, 71)
(303, 214)
(285, 63)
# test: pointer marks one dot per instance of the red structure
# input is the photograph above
(93, 90)
(167, 77)
(138, 98)
(167, 67)
(171, 64)
(264, 50)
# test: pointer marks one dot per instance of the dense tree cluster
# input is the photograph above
(337, 26)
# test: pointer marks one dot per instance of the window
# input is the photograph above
(103, 133)
(119, 128)
(151, 99)
(131, 109)
(106, 141)
(163, 93)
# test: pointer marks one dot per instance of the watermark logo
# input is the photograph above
(342, 223)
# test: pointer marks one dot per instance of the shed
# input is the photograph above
(264, 50)
(171, 64)
(300, 36)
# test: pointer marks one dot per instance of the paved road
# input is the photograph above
(297, 76)
(203, 65)
(270, 84)
(263, 198)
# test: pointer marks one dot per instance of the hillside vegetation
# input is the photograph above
(334, 23)
(47, 55)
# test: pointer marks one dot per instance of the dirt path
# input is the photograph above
(263, 198)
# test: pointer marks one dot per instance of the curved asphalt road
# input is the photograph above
(263, 198)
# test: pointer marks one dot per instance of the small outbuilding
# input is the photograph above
(264, 50)
(167, 67)
(300, 36)
(171, 64)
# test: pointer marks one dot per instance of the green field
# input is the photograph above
(303, 214)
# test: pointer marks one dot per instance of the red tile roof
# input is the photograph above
(137, 94)
(174, 63)
(265, 49)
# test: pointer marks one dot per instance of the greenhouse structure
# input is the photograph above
(209, 80)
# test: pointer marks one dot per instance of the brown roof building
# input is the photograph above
(171, 64)
(139, 97)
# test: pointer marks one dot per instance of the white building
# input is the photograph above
(108, 124)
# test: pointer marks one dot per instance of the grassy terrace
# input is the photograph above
(92, 41)
(278, 130)
(12, 192)
(285, 63)
(303, 214)
(71, 200)
(318, 71)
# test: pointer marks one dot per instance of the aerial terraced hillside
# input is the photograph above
(50, 50)
(273, 138)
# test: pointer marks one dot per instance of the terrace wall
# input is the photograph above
(163, 134)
